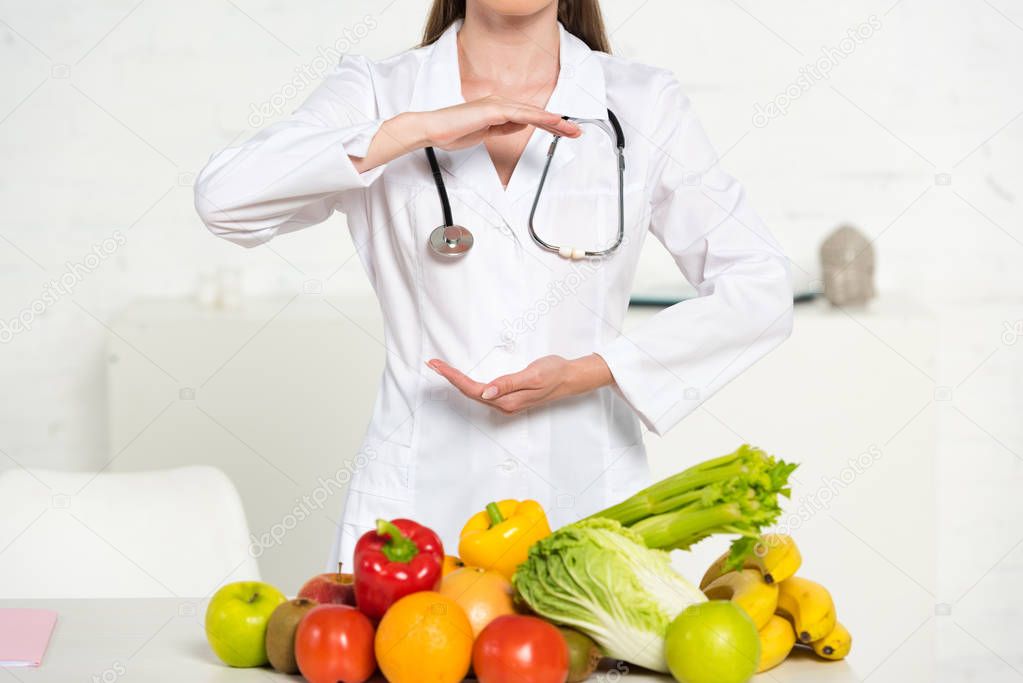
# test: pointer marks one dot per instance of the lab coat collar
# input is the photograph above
(580, 90)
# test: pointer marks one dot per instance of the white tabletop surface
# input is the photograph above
(162, 640)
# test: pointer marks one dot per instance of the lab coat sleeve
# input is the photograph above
(667, 366)
(294, 173)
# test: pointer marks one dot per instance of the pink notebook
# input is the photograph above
(24, 635)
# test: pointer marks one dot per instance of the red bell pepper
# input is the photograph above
(398, 558)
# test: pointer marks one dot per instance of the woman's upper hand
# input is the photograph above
(470, 123)
(545, 379)
(456, 127)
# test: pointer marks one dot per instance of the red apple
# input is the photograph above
(333, 588)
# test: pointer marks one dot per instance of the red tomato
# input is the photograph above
(334, 644)
(519, 649)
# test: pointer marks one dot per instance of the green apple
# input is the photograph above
(236, 622)
(712, 642)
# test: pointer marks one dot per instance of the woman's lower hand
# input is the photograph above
(542, 381)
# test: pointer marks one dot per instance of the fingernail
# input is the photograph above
(433, 366)
(489, 393)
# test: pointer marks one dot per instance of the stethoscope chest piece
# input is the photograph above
(450, 240)
(447, 240)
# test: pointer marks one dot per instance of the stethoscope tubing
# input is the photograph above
(618, 136)
(442, 191)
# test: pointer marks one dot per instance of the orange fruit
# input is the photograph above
(424, 638)
(484, 594)
(451, 563)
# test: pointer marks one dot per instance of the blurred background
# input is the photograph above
(131, 340)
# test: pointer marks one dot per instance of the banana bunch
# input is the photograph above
(785, 608)
(775, 556)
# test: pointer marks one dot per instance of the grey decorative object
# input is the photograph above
(847, 265)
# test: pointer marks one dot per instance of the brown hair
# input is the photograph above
(581, 18)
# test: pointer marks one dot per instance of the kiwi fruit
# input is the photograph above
(280, 633)
(583, 655)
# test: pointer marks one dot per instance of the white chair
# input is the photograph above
(177, 532)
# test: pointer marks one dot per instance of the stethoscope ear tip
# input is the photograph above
(572, 253)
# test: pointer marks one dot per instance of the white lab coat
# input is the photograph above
(430, 453)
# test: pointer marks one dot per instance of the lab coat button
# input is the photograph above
(508, 467)
(508, 342)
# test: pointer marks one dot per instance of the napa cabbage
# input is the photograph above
(599, 578)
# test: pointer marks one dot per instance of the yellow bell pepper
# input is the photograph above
(499, 537)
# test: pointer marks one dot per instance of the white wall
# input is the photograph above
(108, 113)
(107, 110)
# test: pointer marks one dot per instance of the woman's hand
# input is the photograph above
(468, 124)
(456, 127)
(544, 380)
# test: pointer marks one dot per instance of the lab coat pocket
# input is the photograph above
(380, 489)
(608, 477)
(627, 472)
(587, 217)
(579, 205)
(623, 429)
(383, 470)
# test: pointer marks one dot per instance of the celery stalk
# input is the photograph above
(685, 527)
(735, 493)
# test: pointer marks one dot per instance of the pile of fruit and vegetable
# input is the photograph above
(523, 604)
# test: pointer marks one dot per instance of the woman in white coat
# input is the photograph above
(507, 372)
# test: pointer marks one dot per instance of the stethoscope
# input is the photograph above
(452, 240)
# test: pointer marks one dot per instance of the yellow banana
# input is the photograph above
(746, 589)
(808, 605)
(776, 556)
(776, 642)
(835, 645)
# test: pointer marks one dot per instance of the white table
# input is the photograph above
(162, 639)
